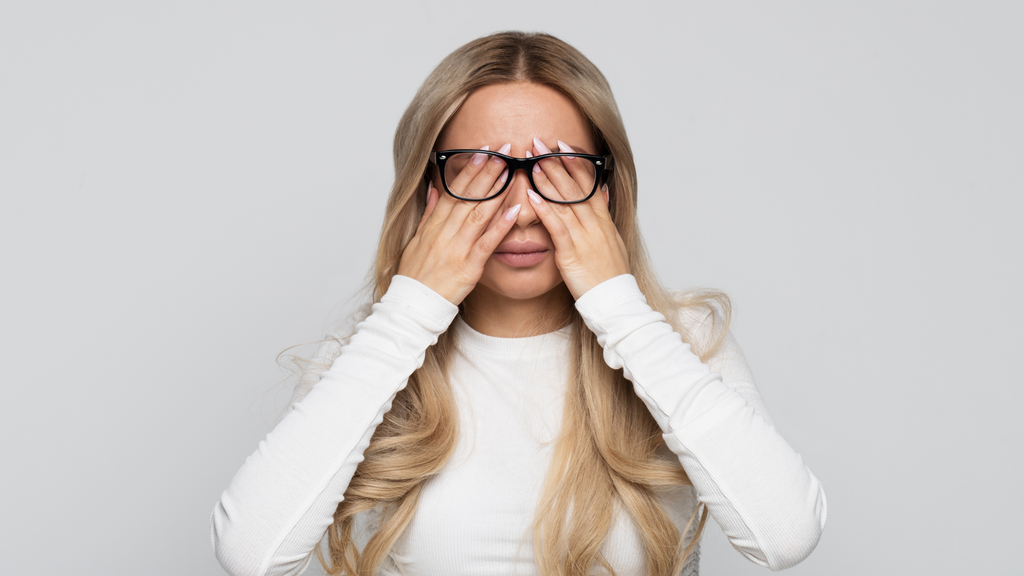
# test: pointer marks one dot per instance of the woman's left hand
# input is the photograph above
(588, 247)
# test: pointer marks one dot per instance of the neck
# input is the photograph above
(496, 315)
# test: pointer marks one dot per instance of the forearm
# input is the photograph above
(754, 484)
(281, 501)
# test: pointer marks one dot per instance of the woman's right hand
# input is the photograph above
(455, 238)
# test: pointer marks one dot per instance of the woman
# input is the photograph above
(523, 397)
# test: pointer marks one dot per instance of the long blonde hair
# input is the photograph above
(608, 447)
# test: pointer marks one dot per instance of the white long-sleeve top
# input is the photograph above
(475, 517)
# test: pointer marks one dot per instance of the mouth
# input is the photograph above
(521, 254)
(520, 259)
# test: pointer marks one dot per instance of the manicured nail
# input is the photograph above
(540, 146)
(528, 154)
(605, 188)
(503, 150)
(512, 212)
(536, 167)
(563, 147)
(534, 197)
(478, 158)
(430, 186)
(504, 175)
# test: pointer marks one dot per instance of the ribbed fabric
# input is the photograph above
(769, 505)
(474, 517)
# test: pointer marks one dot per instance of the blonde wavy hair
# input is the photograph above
(608, 448)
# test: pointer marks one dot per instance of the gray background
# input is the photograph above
(189, 188)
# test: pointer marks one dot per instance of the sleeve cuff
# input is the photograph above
(608, 294)
(417, 301)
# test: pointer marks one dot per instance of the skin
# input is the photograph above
(453, 249)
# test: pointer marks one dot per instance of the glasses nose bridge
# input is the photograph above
(524, 164)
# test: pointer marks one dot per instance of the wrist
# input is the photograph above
(609, 294)
(419, 300)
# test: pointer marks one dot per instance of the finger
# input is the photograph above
(490, 178)
(476, 221)
(538, 177)
(444, 205)
(599, 202)
(481, 177)
(554, 181)
(581, 171)
(567, 173)
(432, 199)
(475, 215)
(489, 240)
(574, 218)
(555, 223)
(475, 174)
(549, 173)
(448, 203)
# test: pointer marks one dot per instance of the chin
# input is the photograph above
(520, 284)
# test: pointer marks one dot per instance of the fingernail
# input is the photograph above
(478, 158)
(503, 150)
(536, 167)
(563, 147)
(605, 188)
(540, 146)
(534, 197)
(512, 212)
(528, 154)
(504, 175)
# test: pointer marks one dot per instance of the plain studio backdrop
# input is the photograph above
(190, 188)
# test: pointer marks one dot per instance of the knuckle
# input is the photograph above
(477, 215)
(478, 249)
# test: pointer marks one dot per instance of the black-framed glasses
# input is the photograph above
(478, 175)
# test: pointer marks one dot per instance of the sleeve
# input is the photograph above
(281, 502)
(768, 503)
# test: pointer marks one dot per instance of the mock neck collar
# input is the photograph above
(550, 344)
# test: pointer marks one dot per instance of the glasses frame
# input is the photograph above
(601, 163)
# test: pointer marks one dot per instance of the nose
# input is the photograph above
(516, 194)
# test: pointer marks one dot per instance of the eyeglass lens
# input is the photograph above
(562, 178)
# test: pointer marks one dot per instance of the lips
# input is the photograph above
(521, 247)
(521, 254)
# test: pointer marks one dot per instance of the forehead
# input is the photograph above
(516, 113)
